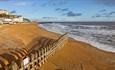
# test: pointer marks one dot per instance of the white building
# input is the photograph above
(18, 19)
(4, 12)
(9, 18)
(1, 22)
(6, 21)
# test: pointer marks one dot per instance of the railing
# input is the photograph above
(36, 63)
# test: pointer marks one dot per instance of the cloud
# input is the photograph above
(106, 2)
(58, 2)
(63, 2)
(96, 16)
(23, 4)
(72, 14)
(66, 9)
(62, 10)
(49, 17)
(67, 12)
(111, 13)
(55, 2)
(105, 14)
(14, 11)
(4, 0)
(58, 9)
(103, 10)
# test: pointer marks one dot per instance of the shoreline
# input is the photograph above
(81, 41)
(61, 59)
(93, 46)
(70, 58)
(113, 53)
(95, 40)
(75, 55)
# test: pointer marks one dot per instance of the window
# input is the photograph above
(26, 69)
(38, 61)
(35, 63)
(30, 66)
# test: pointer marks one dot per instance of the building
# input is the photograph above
(7, 18)
(18, 19)
(4, 12)
(1, 22)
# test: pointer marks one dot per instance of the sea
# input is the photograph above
(99, 34)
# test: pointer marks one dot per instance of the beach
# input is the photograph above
(57, 34)
(75, 55)
(80, 56)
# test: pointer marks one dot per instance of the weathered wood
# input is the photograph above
(38, 54)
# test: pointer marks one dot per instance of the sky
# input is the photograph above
(62, 10)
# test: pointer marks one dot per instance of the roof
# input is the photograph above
(2, 10)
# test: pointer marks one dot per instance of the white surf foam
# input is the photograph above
(87, 33)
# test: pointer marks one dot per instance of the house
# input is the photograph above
(7, 18)
(17, 19)
(4, 12)
(1, 22)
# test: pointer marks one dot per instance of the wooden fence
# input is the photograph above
(38, 55)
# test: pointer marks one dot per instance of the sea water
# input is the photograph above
(100, 36)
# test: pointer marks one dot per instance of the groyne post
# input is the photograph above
(39, 56)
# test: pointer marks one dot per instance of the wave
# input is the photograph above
(102, 37)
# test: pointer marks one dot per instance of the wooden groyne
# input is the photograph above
(32, 59)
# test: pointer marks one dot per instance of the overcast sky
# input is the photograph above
(62, 10)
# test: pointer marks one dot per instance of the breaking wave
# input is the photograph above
(100, 36)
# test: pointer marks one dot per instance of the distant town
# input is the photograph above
(7, 17)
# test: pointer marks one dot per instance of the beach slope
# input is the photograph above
(76, 55)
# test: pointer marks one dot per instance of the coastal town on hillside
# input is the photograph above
(57, 34)
(7, 17)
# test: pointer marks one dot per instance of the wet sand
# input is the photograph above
(80, 56)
